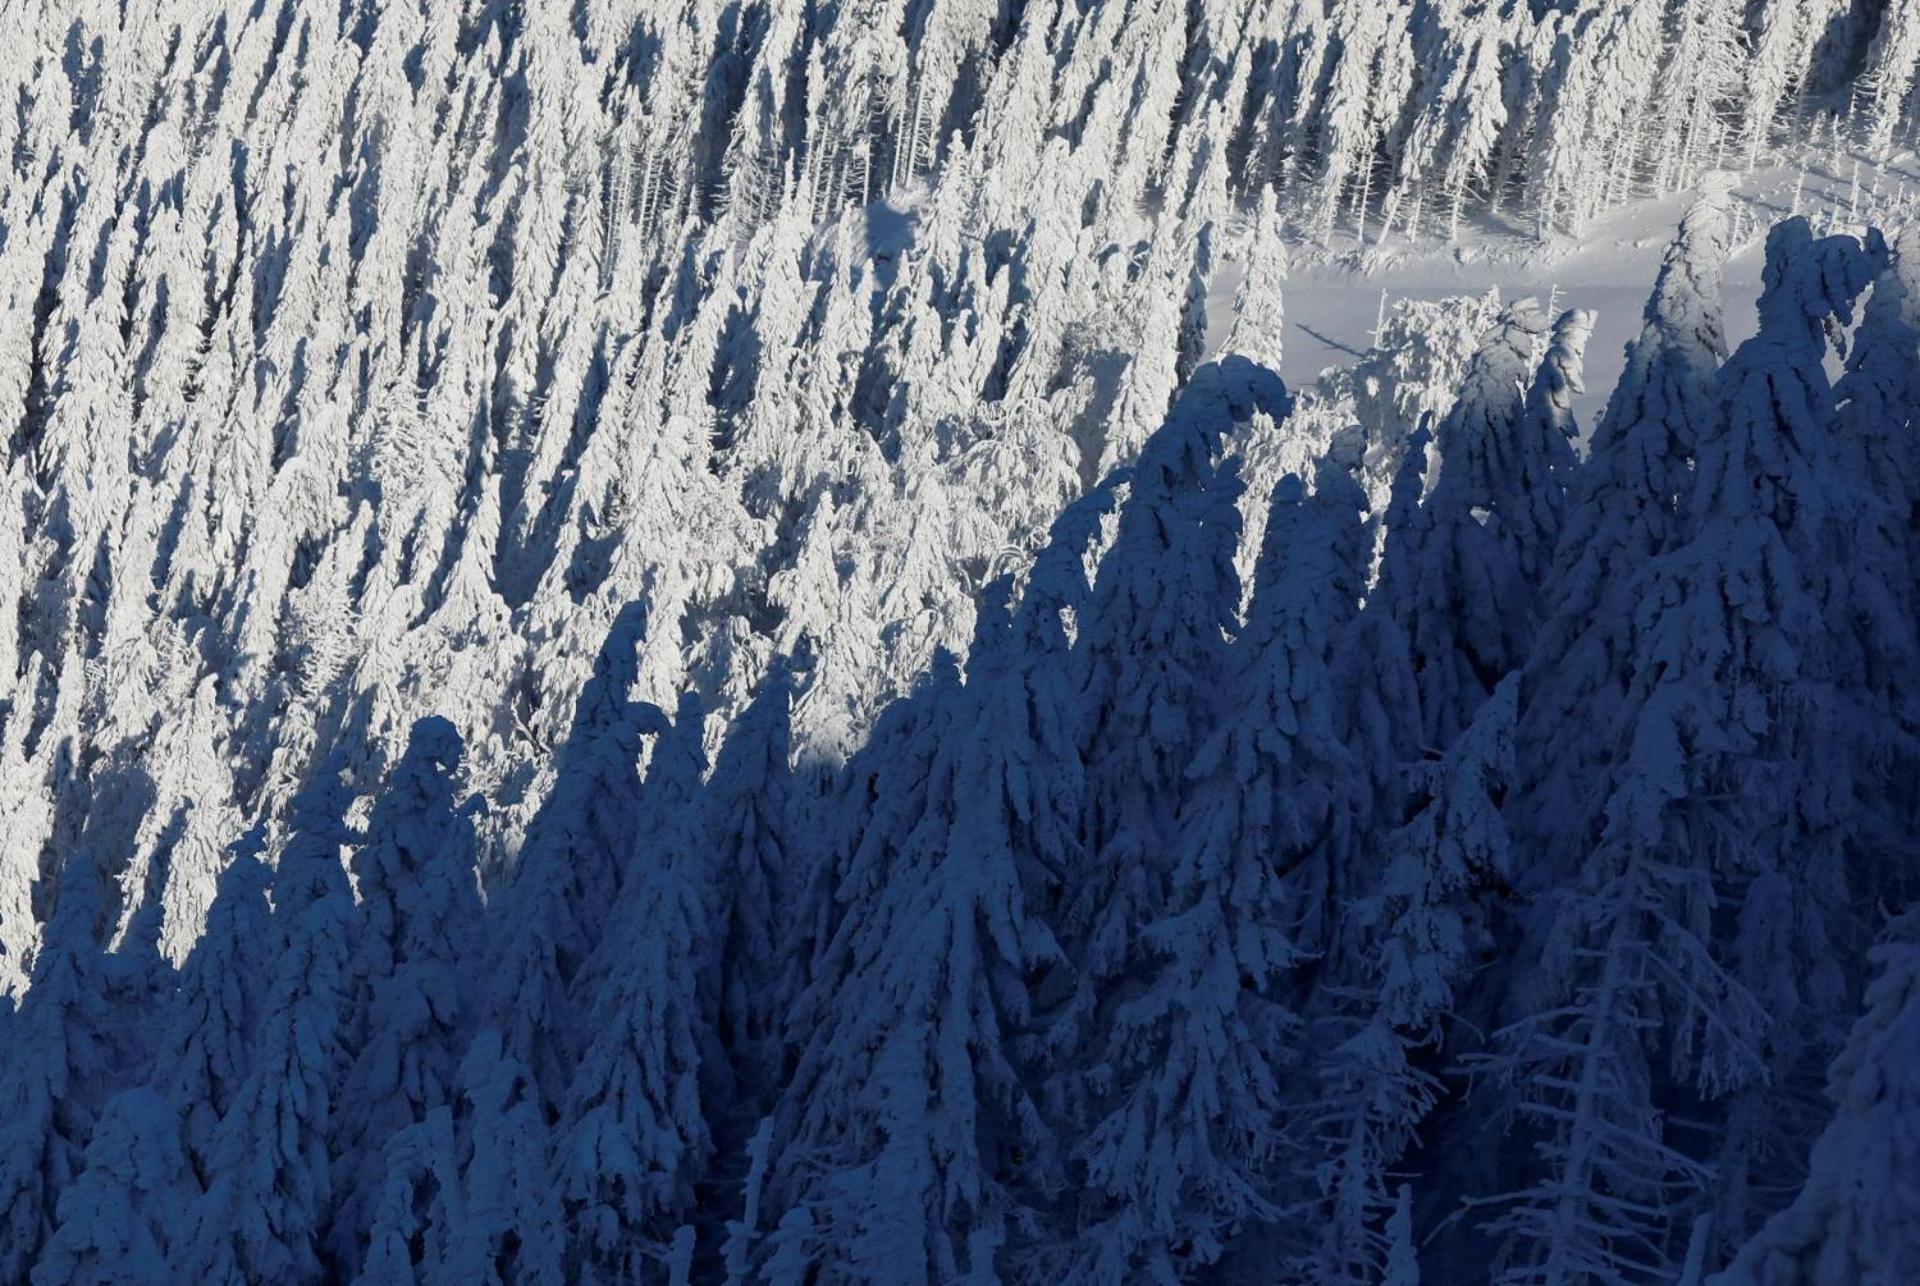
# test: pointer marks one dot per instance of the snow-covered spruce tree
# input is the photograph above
(1778, 71)
(1416, 366)
(1698, 84)
(415, 1203)
(862, 819)
(1460, 590)
(632, 1139)
(208, 1046)
(1768, 585)
(749, 816)
(26, 821)
(149, 1158)
(1264, 838)
(269, 1198)
(1893, 62)
(1605, 1186)
(1259, 315)
(1461, 114)
(54, 1069)
(468, 1194)
(1855, 1218)
(568, 873)
(1585, 150)
(415, 939)
(1876, 414)
(1690, 965)
(1623, 510)
(118, 1217)
(1153, 649)
(860, 815)
(1540, 456)
(1378, 697)
(912, 1148)
(1281, 740)
(1193, 311)
(1427, 929)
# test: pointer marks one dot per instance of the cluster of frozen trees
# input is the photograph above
(361, 362)
(1507, 874)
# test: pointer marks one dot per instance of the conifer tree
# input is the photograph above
(948, 981)
(1543, 461)
(1153, 647)
(1636, 937)
(467, 1195)
(1854, 1219)
(52, 1071)
(269, 1198)
(1428, 927)
(1624, 510)
(211, 1036)
(1874, 636)
(568, 873)
(749, 812)
(419, 916)
(118, 1217)
(633, 1138)
(1462, 594)
(1379, 697)
(1259, 317)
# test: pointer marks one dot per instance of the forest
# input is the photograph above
(701, 642)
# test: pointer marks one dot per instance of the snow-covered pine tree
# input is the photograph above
(1462, 112)
(1692, 958)
(1777, 68)
(269, 1198)
(910, 1133)
(1893, 62)
(569, 870)
(1263, 845)
(468, 1194)
(1875, 418)
(861, 814)
(1259, 316)
(749, 814)
(1540, 456)
(1855, 1218)
(632, 1140)
(119, 1216)
(54, 1069)
(1764, 585)
(1698, 84)
(1623, 510)
(1193, 311)
(1379, 696)
(1461, 591)
(1153, 647)
(417, 930)
(207, 1048)
(1428, 928)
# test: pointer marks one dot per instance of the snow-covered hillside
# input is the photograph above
(1288, 628)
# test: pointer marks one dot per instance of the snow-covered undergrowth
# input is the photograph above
(1159, 785)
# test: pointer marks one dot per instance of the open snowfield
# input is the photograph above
(1333, 295)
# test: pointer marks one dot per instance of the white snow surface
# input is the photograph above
(1333, 294)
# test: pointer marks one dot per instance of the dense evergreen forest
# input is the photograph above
(698, 642)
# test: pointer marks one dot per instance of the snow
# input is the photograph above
(1334, 294)
(913, 641)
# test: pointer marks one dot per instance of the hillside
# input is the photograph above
(908, 640)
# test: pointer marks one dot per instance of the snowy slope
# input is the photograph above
(903, 640)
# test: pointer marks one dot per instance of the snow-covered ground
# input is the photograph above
(1334, 296)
